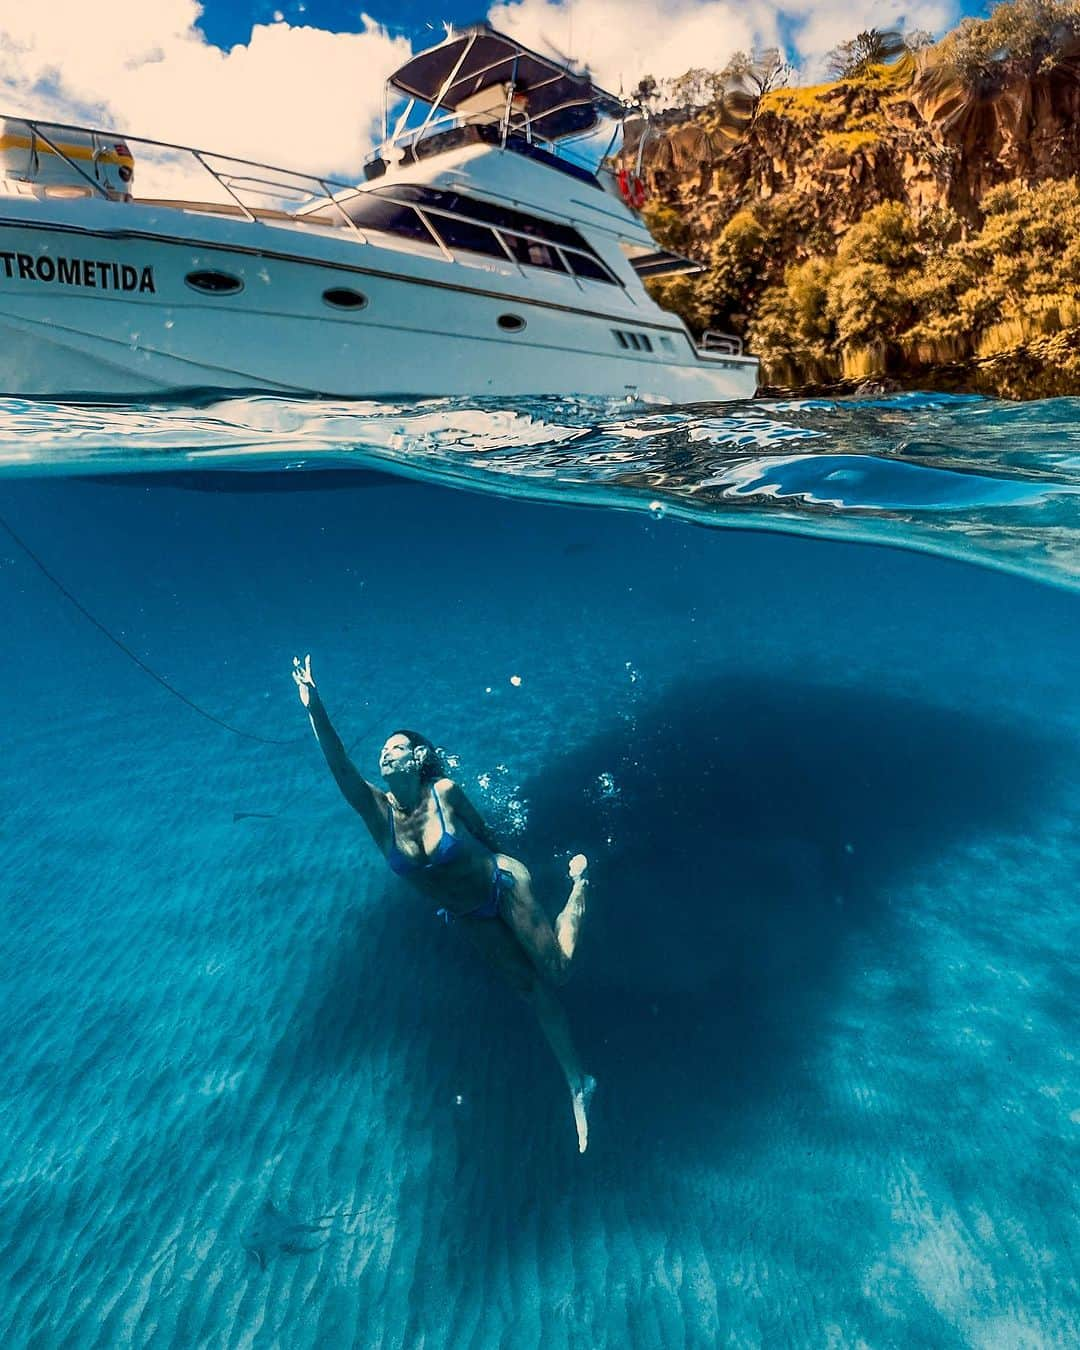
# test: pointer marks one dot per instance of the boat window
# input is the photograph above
(373, 213)
(343, 297)
(620, 338)
(667, 344)
(646, 343)
(214, 283)
(533, 253)
(583, 266)
(511, 323)
(463, 234)
(488, 213)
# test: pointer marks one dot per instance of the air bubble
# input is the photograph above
(657, 510)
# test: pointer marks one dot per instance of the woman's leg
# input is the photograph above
(554, 1025)
(551, 949)
(501, 950)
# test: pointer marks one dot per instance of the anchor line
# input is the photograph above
(160, 679)
(134, 656)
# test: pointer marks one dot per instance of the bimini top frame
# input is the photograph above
(555, 101)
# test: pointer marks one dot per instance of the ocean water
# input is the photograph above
(801, 680)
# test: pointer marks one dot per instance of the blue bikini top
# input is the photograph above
(446, 850)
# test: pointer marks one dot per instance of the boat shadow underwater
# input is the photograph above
(759, 830)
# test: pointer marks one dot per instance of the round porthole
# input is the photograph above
(341, 297)
(511, 323)
(214, 283)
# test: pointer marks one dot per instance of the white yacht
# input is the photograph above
(492, 249)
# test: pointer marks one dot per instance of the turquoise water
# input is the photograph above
(254, 1093)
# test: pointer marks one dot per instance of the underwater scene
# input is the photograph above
(798, 679)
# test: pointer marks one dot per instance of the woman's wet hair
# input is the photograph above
(432, 767)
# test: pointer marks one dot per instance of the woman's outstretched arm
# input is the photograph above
(357, 791)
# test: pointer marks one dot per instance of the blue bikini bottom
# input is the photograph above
(502, 882)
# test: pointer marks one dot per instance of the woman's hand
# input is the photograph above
(305, 683)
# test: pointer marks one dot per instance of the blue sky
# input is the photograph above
(226, 22)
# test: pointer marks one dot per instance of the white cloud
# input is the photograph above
(300, 97)
(622, 40)
(821, 24)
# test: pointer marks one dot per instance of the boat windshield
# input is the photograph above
(456, 221)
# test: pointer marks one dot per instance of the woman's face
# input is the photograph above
(397, 756)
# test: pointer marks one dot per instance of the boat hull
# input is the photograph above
(105, 309)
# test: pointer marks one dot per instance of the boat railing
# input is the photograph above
(55, 159)
(511, 126)
(720, 344)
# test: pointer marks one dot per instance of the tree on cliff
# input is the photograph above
(874, 47)
(757, 73)
(1034, 32)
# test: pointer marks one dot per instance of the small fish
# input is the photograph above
(253, 815)
(276, 1233)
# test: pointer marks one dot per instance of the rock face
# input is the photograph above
(815, 161)
(1023, 125)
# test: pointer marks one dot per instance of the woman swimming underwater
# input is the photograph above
(431, 834)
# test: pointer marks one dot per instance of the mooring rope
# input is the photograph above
(137, 660)
(134, 657)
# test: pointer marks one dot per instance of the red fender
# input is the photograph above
(631, 189)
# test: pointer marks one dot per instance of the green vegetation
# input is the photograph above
(1031, 31)
(846, 143)
(899, 296)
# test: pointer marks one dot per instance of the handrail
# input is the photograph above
(223, 183)
(406, 137)
(35, 130)
(165, 145)
(222, 172)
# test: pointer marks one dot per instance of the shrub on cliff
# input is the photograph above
(735, 263)
(1032, 31)
(842, 312)
(721, 297)
(792, 330)
(1011, 284)
(868, 300)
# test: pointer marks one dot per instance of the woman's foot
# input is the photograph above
(581, 1100)
(579, 865)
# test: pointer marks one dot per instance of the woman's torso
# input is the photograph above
(434, 850)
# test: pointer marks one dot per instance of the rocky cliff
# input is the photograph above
(917, 222)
